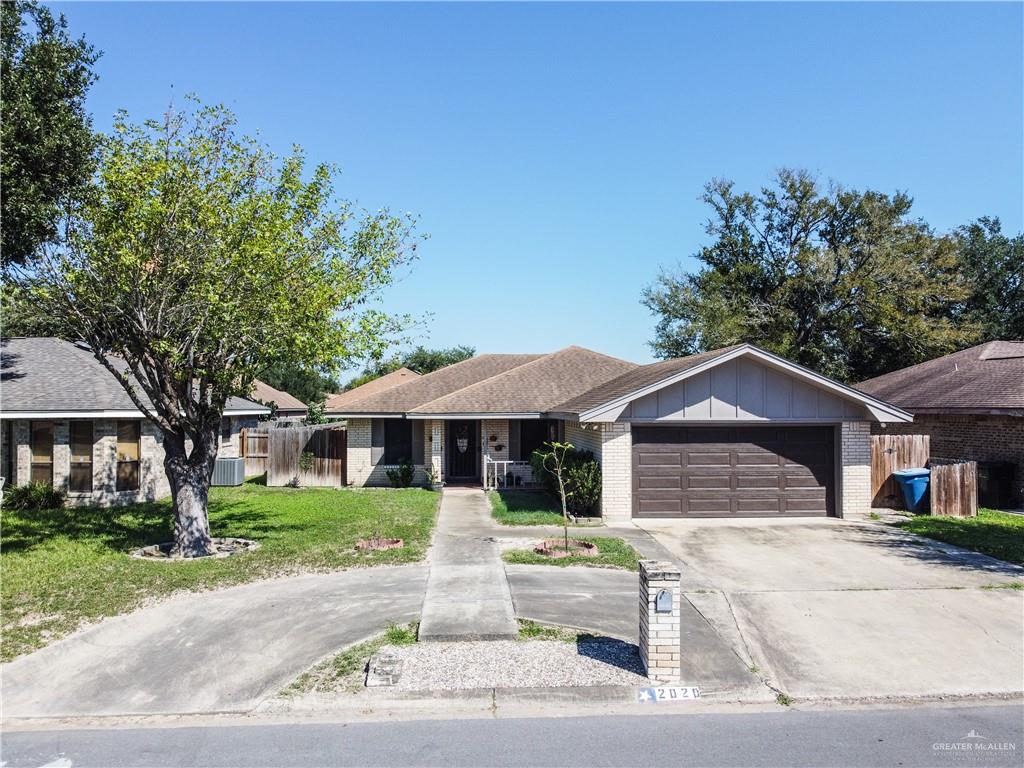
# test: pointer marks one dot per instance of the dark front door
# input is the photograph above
(462, 450)
(733, 471)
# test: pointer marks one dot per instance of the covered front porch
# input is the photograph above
(493, 453)
(489, 452)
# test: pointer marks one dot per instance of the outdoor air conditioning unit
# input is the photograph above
(228, 472)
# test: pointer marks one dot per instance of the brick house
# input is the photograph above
(65, 420)
(970, 403)
(732, 432)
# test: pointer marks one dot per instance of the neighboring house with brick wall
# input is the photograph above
(732, 432)
(971, 404)
(65, 420)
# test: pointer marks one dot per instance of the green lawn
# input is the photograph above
(65, 567)
(612, 553)
(999, 534)
(515, 507)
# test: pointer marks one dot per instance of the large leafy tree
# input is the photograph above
(202, 260)
(420, 359)
(994, 265)
(46, 138)
(309, 385)
(842, 281)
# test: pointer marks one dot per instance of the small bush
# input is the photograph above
(35, 495)
(306, 461)
(401, 476)
(583, 480)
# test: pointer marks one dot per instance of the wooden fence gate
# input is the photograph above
(889, 453)
(324, 463)
(954, 489)
(253, 444)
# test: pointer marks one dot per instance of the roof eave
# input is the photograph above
(880, 410)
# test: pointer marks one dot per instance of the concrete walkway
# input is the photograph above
(222, 651)
(467, 596)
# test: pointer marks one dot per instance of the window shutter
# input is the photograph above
(376, 440)
(513, 440)
(417, 442)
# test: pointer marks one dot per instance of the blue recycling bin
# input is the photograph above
(914, 484)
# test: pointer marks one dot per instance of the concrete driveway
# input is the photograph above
(832, 608)
(221, 651)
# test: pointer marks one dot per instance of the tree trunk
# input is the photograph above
(189, 475)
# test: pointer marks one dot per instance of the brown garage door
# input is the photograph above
(733, 471)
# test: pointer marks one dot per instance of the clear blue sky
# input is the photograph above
(555, 153)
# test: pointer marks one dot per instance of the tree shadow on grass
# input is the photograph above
(517, 500)
(123, 528)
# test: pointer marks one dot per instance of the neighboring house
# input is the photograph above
(65, 420)
(733, 432)
(970, 403)
(289, 408)
(336, 404)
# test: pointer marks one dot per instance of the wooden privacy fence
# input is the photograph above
(253, 444)
(326, 448)
(889, 453)
(954, 489)
(953, 486)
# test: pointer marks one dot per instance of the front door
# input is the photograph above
(462, 450)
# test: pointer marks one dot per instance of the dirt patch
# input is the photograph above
(556, 548)
(379, 544)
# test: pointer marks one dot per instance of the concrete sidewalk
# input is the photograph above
(467, 596)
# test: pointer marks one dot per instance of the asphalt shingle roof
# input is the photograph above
(41, 374)
(988, 377)
(264, 393)
(409, 396)
(637, 378)
(387, 381)
(534, 387)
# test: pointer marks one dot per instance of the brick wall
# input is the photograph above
(616, 473)
(361, 470)
(152, 478)
(855, 483)
(970, 438)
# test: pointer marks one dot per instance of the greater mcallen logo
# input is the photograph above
(974, 742)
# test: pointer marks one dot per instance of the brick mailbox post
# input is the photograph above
(659, 619)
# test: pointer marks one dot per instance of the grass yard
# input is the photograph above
(999, 534)
(514, 507)
(65, 567)
(612, 553)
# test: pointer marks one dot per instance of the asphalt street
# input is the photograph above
(920, 736)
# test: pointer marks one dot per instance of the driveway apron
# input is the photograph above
(468, 596)
(222, 651)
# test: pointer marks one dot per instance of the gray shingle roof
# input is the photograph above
(534, 387)
(47, 375)
(637, 378)
(988, 377)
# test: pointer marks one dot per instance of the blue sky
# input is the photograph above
(555, 153)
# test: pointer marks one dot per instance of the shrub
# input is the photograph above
(583, 479)
(401, 476)
(582, 475)
(306, 461)
(34, 495)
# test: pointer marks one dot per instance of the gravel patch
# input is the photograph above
(517, 664)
